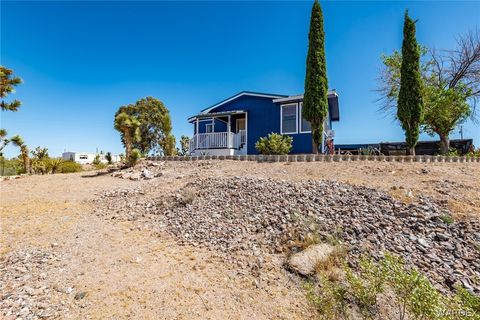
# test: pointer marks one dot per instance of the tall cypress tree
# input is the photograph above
(315, 100)
(410, 100)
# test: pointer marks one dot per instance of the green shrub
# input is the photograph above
(329, 300)
(474, 153)
(53, 165)
(463, 306)
(274, 143)
(413, 291)
(453, 152)
(39, 166)
(96, 161)
(447, 219)
(10, 167)
(367, 284)
(100, 166)
(69, 167)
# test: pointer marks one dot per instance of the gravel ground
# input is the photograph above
(59, 260)
(243, 219)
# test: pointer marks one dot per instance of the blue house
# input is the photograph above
(234, 125)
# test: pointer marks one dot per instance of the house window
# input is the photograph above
(304, 124)
(289, 118)
(209, 128)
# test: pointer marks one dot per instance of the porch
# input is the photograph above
(220, 133)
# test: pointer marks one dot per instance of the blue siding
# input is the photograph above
(264, 118)
(202, 125)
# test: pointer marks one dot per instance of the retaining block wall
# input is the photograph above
(321, 157)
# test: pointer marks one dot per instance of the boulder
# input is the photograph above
(304, 262)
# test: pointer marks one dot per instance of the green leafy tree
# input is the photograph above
(184, 144)
(155, 126)
(18, 141)
(451, 86)
(410, 98)
(8, 83)
(444, 110)
(129, 128)
(315, 101)
(274, 143)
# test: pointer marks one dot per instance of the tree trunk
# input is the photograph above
(444, 143)
(128, 145)
(314, 147)
(411, 151)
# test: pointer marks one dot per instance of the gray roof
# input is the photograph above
(215, 114)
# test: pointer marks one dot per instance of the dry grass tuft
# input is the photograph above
(331, 268)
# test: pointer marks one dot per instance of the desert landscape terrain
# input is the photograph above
(209, 239)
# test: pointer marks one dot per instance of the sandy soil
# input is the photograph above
(128, 272)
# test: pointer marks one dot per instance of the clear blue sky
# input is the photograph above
(80, 61)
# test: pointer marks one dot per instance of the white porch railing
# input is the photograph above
(216, 140)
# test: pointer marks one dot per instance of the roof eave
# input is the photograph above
(242, 93)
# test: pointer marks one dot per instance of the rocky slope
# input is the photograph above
(243, 218)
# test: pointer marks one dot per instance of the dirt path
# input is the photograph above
(124, 271)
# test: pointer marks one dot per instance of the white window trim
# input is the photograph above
(212, 125)
(300, 119)
(281, 118)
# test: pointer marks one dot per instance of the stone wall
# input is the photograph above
(320, 157)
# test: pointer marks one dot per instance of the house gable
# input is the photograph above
(238, 95)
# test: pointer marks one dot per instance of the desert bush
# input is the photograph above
(447, 219)
(474, 153)
(329, 299)
(10, 167)
(53, 164)
(187, 197)
(96, 161)
(453, 152)
(415, 296)
(274, 143)
(464, 305)
(39, 166)
(331, 268)
(69, 167)
(413, 291)
(365, 285)
(100, 166)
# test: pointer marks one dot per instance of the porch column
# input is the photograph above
(196, 140)
(229, 130)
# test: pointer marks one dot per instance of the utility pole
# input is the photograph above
(461, 132)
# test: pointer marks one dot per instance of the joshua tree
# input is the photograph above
(184, 144)
(7, 86)
(4, 140)
(129, 127)
(315, 102)
(18, 141)
(155, 126)
(410, 99)
(108, 157)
